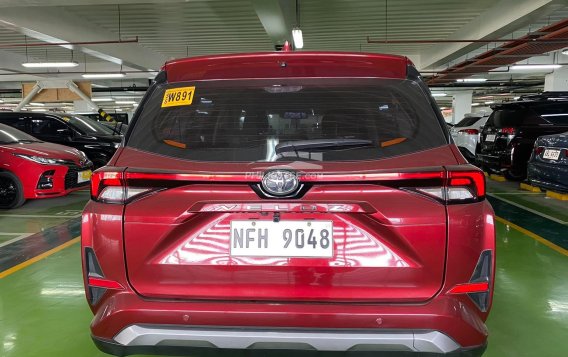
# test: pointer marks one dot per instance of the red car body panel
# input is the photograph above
(29, 172)
(397, 252)
(287, 65)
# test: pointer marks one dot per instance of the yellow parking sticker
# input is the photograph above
(178, 96)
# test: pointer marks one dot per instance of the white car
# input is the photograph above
(466, 134)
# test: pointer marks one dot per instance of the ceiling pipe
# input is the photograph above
(550, 38)
(43, 44)
(522, 40)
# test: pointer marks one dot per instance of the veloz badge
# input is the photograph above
(178, 97)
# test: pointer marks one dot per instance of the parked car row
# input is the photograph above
(49, 154)
(522, 139)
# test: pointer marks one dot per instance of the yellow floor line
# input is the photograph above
(533, 236)
(37, 258)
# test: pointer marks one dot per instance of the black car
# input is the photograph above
(548, 166)
(116, 127)
(120, 117)
(97, 141)
(507, 139)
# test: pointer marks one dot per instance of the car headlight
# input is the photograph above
(82, 155)
(40, 159)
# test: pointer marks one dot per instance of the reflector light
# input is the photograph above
(470, 288)
(103, 283)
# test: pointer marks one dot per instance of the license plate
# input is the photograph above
(490, 137)
(551, 154)
(292, 239)
(84, 176)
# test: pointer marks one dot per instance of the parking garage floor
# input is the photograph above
(43, 311)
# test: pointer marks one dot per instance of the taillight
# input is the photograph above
(469, 131)
(111, 187)
(508, 131)
(459, 187)
(538, 150)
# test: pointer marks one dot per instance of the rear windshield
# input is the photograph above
(553, 113)
(287, 120)
(467, 121)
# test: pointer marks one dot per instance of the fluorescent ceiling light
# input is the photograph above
(565, 51)
(1, 101)
(472, 80)
(125, 102)
(102, 99)
(530, 67)
(517, 98)
(439, 94)
(50, 64)
(98, 85)
(39, 110)
(490, 102)
(38, 104)
(103, 75)
(298, 38)
(475, 104)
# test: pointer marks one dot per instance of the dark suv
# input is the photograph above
(97, 141)
(508, 137)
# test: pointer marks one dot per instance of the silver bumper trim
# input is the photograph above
(321, 340)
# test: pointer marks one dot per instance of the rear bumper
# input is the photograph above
(443, 325)
(551, 177)
(148, 339)
(496, 162)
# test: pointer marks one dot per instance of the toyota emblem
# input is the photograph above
(280, 182)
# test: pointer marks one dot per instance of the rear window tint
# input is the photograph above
(287, 120)
(513, 117)
(553, 113)
(467, 121)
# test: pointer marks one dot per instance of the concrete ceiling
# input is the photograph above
(177, 28)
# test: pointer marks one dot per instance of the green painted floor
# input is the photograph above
(43, 310)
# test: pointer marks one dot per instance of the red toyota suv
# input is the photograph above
(292, 201)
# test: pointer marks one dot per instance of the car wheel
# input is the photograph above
(515, 175)
(11, 191)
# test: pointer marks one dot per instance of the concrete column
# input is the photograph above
(82, 106)
(461, 105)
(557, 80)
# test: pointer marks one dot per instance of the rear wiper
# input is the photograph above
(321, 145)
